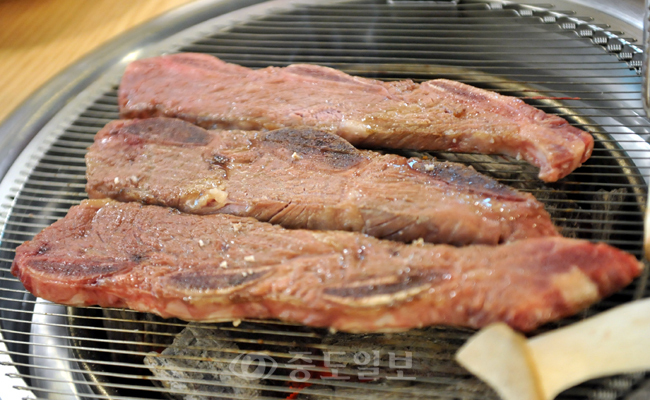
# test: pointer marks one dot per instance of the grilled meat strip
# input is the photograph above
(435, 115)
(302, 178)
(216, 267)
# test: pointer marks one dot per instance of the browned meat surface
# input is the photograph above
(216, 267)
(435, 115)
(302, 178)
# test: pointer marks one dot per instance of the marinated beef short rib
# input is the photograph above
(302, 178)
(220, 267)
(435, 115)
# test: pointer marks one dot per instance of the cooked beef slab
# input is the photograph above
(435, 115)
(303, 178)
(216, 267)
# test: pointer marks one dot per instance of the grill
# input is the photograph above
(560, 61)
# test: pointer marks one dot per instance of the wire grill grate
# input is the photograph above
(552, 60)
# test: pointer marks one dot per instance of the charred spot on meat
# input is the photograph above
(334, 151)
(461, 176)
(181, 133)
